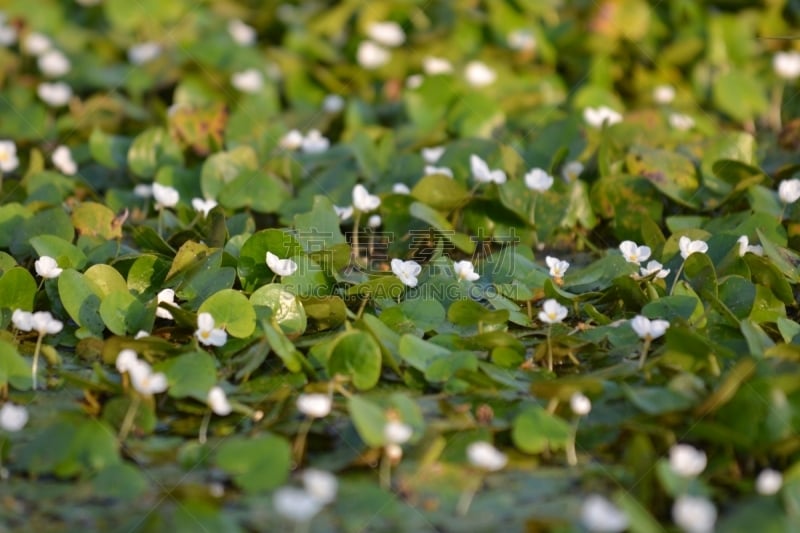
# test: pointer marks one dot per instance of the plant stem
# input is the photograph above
(385, 473)
(549, 349)
(202, 436)
(35, 367)
(677, 276)
(127, 422)
(300, 441)
(467, 496)
(572, 455)
(645, 349)
(355, 251)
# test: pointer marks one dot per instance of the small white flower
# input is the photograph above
(681, 122)
(315, 143)
(315, 405)
(8, 35)
(62, 159)
(414, 81)
(203, 206)
(241, 33)
(538, 180)
(363, 200)
(769, 482)
(521, 39)
(689, 247)
(291, 140)
(634, 253)
(248, 81)
(407, 271)
(558, 268)
(343, 213)
(165, 196)
(371, 55)
(485, 456)
(442, 171)
(126, 359)
(144, 380)
(218, 401)
(56, 94)
(598, 116)
(47, 267)
(478, 74)
(694, 514)
(394, 452)
(599, 515)
(281, 267)
(465, 270)
(648, 329)
(745, 247)
(53, 64)
(552, 312)
(320, 484)
(141, 334)
(482, 173)
(142, 53)
(296, 505)
(787, 64)
(580, 404)
(374, 221)
(396, 432)
(22, 320)
(664, 94)
(166, 296)
(432, 154)
(400, 188)
(788, 190)
(43, 323)
(686, 460)
(13, 417)
(386, 33)
(8, 156)
(654, 267)
(207, 333)
(143, 190)
(36, 44)
(436, 65)
(333, 103)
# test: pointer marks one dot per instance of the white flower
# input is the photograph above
(580, 404)
(396, 432)
(432, 154)
(241, 33)
(36, 44)
(597, 116)
(407, 271)
(281, 267)
(291, 140)
(54, 94)
(664, 94)
(248, 81)
(745, 247)
(648, 329)
(552, 312)
(386, 33)
(374, 221)
(207, 333)
(558, 268)
(53, 63)
(314, 143)
(47, 267)
(166, 296)
(8, 35)
(634, 253)
(689, 247)
(788, 190)
(694, 514)
(442, 171)
(485, 456)
(126, 359)
(22, 320)
(142, 53)
(394, 452)
(144, 380)
(295, 504)
(681, 122)
(343, 212)
(400, 188)
(62, 159)
(436, 65)
(320, 484)
(143, 190)
(141, 334)
(314, 405)
(521, 39)
(371, 55)
(165, 196)
(465, 270)
(218, 401)
(203, 206)
(43, 323)
(599, 515)
(8, 156)
(363, 200)
(654, 267)
(538, 180)
(686, 460)
(572, 170)
(787, 64)
(333, 103)
(414, 81)
(478, 74)
(482, 174)
(769, 482)
(13, 417)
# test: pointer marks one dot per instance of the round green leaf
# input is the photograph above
(252, 266)
(190, 375)
(123, 313)
(81, 298)
(257, 464)
(17, 289)
(356, 354)
(106, 279)
(232, 311)
(534, 430)
(286, 308)
(152, 149)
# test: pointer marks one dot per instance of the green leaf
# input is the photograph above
(123, 314)
(369, 420)
(534, 430)
(285, 308)
(740, 94)
(17, 289)
(109, 150)
(152, 149)
(252, 266)
(260, 191)
(222, 168)
(121, 480)
(318, 229)
(190, 375)
(81, 298)
(106, 279)
(257, 464)
(357, 355)
(232, 311)
(671, 173)
(14, 370)
(66, 254)
(441, 224)
(440, 192)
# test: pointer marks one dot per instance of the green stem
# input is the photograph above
(572, 455)
(127, 423)
(549, 349)
(300, 441)
(645, 349)
(468, 495)
(677, 276)
(35, 367)
(355, 252)
(161, 222)
(203, 435)
(385, 473)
